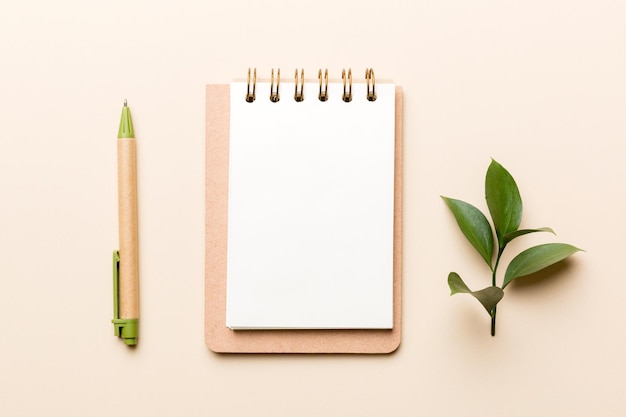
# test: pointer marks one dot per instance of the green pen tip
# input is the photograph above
(126, 123)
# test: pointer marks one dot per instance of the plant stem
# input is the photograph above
(493, 282)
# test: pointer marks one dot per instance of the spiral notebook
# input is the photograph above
(303, 213)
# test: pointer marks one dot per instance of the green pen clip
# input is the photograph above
(127, 329)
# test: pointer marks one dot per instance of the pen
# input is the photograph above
(125, 260)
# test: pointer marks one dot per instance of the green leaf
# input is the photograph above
(456, 284)
(488, 297)
(503, 200)
(537, 258)
(474, 226)
(510, 236)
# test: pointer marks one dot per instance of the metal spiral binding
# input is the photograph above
(347, 94)
(371, 84)
(274, 95)
(299, 92)
(323, 94)
(250, 97)
(323, 85)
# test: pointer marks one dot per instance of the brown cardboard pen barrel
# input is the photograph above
(128, 249)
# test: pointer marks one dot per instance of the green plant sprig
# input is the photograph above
(505, 207)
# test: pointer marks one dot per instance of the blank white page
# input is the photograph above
(310, 209)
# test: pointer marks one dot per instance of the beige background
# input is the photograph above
(538, 85)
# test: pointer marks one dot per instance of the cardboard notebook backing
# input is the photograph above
(220, 338)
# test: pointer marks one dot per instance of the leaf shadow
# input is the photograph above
(469, 318)
(554, 275)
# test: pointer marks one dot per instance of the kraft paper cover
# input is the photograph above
(220, 338)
